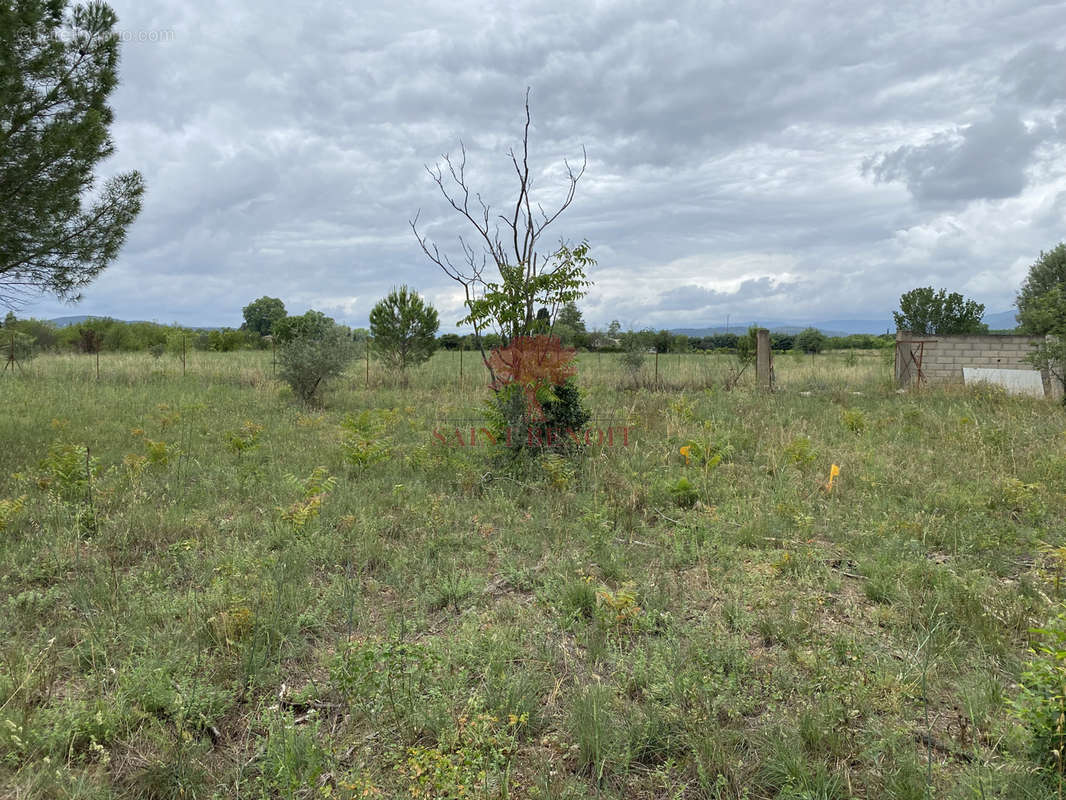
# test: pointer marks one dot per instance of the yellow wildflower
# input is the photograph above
(833, 472)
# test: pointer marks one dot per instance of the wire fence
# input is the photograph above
(454, 369)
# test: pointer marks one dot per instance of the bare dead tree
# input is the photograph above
(508, 241)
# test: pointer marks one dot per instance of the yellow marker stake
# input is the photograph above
(685, 451)
(833, 472)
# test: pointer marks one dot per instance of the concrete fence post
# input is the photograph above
(763, 365)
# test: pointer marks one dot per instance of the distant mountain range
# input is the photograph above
(1004, 320)
(64, 322)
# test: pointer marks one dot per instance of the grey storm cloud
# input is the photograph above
(986, 159)
(694, 298)
(1037, 74)
(800, 160)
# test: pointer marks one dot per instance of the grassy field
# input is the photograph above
(211, 591)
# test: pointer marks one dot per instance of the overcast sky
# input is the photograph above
(797, 161)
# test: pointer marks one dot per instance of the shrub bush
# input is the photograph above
(564, 412)
(535, 400)
(633, 360)
(307, 360)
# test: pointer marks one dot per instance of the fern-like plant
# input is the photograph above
(314, 489)
(10, 508)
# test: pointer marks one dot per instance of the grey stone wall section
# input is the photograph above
(943, 358)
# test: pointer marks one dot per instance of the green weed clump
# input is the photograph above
(1018, 500)
(705, 454)
(800, 451)
(1041, 706)
(366, 437)
(313, 490)
(245, 439)
(9, 508)
(67, 470)
(853, 419)
(684, 493)
(472, 759)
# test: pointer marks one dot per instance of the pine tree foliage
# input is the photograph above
(59, 228)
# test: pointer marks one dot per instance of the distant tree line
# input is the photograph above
(664, 341)
(406, 333)
(110, 335)
(104, 334)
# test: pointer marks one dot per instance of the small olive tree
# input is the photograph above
(633, 359)
(312, 349)
(403, 328)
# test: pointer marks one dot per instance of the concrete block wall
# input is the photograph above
(943, 357)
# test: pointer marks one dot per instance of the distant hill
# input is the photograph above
(65, 322)
(828, 327)
(1003, 320)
